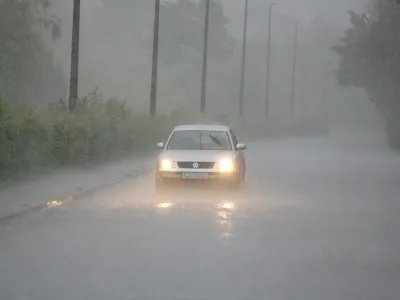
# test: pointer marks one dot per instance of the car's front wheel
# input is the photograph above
(240, 179)
(243, 183)
(160, 185)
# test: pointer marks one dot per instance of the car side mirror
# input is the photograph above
(241, 146)
(160, 145)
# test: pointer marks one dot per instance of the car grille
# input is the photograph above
(189, 165)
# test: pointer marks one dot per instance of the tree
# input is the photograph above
(182, 29)
(370, 59)
(27, 70)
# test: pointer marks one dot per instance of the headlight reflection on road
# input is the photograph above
(227, 205)
(223, 218)
(224, 214)
(57, 203)
(53, 204)
(165, 205)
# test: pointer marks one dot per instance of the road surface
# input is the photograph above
(318, 219)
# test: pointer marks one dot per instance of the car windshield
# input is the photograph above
(199, 140)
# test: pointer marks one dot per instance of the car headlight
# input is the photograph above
(166, 165)
(226, 165)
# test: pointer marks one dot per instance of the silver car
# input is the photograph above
(201, 153)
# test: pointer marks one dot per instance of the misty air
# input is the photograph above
(199, 149)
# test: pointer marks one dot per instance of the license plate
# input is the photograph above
(193, 175)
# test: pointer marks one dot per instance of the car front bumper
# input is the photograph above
(205, 176)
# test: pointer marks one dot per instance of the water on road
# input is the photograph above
(318, 219)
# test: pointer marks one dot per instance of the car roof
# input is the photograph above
(201, 127)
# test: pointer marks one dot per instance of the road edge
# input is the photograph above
(75, 195)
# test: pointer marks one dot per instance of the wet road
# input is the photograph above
(319, 219)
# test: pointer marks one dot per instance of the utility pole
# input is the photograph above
(154, 68)
(268, 59)
(243, 70)
(205, 57)
(293, 87)
(74, 71)
(324, 99)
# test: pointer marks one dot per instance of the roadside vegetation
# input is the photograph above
(38, 139)
(369, 59)
(34, 140)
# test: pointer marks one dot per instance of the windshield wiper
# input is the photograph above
(217, 141)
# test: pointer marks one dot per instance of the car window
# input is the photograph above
(199, 140)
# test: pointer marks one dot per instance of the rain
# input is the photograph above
(199, 149)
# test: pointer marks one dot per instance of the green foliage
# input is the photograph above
(101, 129)
(27, 70)
(369, 58)
(369, 51)
(32, 139)
(353, 52)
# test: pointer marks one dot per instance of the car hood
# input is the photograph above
(196, 155)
